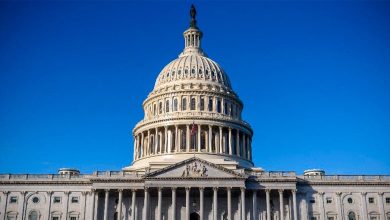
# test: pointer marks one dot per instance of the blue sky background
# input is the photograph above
(313, 75)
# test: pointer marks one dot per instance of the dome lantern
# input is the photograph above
(192, 37)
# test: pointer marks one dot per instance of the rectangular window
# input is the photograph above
(313, 218)
(388, 201)
(73, 218)
(184, 104)
(312, 200)
(370, 200)
(192, 104)
(11, 217)
(330, 218)
(55, 218)
(201, 107)
(13, 199)
(210, 106)
(328, 201)
(56, 199)
(75, 199)
(373, 218)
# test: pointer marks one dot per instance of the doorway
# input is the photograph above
(194, 216)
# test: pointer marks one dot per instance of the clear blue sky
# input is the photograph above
(313, 75)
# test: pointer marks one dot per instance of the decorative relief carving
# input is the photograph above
(195, 170)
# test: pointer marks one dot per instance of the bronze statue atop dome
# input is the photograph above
(193, 15)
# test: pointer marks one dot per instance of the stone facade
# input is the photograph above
(193, 160)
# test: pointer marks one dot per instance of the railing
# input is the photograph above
(274, 174)
(347, 178)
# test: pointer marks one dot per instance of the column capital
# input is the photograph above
(280, 191)
(84, 193)
(188, 188)
(133, 190)
(93, 190)
(159, 188)
(215, 188)
(107, 190)
(229, 188)
(5, 192)
(242, 189)
(321, 193)
(120, 190)
(230, 129)
(66, 192)
(380, 193)
(173, 188)
(146, 188)
(363, 193)
(294, 191)
(201, 188)
(49, 193)
(267, 190)
(339, 194)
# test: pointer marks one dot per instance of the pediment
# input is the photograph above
(194, 168)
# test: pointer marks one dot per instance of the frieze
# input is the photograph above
(195, 170)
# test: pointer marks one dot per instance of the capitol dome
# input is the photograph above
(192, 112)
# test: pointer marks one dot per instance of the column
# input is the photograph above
(142, 145)
(243, 211)
(215, 203)
(187, 203)
(50, 193)
(210, 139)
(201, 201)
(322, 205)
(156, 141)
(267, 200)
(199, 136)
(138, 143)
(84, 203)
(220, 140)
(364, 206)
(133, 196)
(230, 141)
(281, 204)
(238, 143)
(294, 193)
(229, 202)
(96, 204)
(66, 204)
(106, 195)
(254, 204)
(120, 197)
(6, 203)
(339, 206)
(381, 204)
(135, 148)
(173, 203)
(244, 145)
(146, 205)
(166, 139)
(148, 146)
(188, 139)
(21, 205)
(159, 203)
(176, 138)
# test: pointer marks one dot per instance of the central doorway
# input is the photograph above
(194, 216)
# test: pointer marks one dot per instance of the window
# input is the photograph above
(350, 201)
(57, 199)
(11, 216)
(329, 200)
(312, 200)
(192, 106)
(13, 199)
(184, 104)
(219, 106)
(167, 106)
(201, 104)
(73, 218)
(154, 109)
(35, 200)
(160, 107)
(55, 218)
(313, 218)
(175, 104)
(33, 215)
(75, 199)
(351, 216)
(373, 218)
(210, 105)
(371, 200)
(387, 200)
(330, 218)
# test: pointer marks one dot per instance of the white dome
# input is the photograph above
(193, 67)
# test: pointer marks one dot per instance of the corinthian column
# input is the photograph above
(173, 203)
(281, 204)
(220, 140)
(201, 201)
(210, 139)
(215, 203)
(133, 194)
(176, 138)
(106, 195)
(188, 139)
(166, 139)
(199, 137)
(295, 210)
(156, 141)
(243, 211)
(364, 206)
(187, 203)
(120, 197)
(230, 141)
(146, 205)
(267, 200)
(238, 142)
(159, 203)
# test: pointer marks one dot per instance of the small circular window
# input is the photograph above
(35, 200)
(350, 200)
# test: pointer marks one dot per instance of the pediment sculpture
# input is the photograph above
(195, 170)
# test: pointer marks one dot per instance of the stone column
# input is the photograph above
(220, 140)
(142, 145)
(230, 141)
(229, 203)
(159, 203)
(254, 204)
(6, 193)
(148, 146)
(138, 144)
(173, 203)
(165, 139)
(381, 204)
(176, 138)
(215, 203)
(50, 194)
(201, 201)
(133, 197)
(364, 205)
(187, 203)
(238, 142)
(106, 195)
(281, 204)
(120, 198)
(84, 203)
(21, 205)
(66, 204)
(243, 211)
(267, 200)
(339, 206)
(96, 204)
(146, 205)
(322, 205)
(294, 193)
(210, 139)
(199, 137)
(135, 148)
(188, 139)
(244, 145)
(156, 142)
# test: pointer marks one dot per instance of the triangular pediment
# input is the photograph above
(194, 168)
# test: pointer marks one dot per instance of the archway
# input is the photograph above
(194, 216)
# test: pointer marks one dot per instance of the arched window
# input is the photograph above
(201, 104)
(154, 109)
(160, 107)
(175, 104)
(210, 105)
(167, 106)
(33, 215)
(225, 108)
(184, 104)
(351, 216)
(219, 106)
(193, 103)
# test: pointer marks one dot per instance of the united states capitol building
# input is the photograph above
(193, 160)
